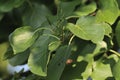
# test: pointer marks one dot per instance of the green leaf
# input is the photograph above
(83, 56)
(8, 5)
(101, 71)
(9, 53)
(86, 54)
(88, 70)
(117, 33)
(19, 59)
(101, 47)
(73, 71)
(118, 1)
(37, 15)
(108, 29)
(38, 58)
(3, 49)
(86, 20)
(87, 30)
(116, 70)
(54, 45)
(57, 63)
(33, 77)
(86, 9)
(66, 8)
(22, 38)
(107, 12)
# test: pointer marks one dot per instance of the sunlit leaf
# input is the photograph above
(86, 9)
(107, 13)
(54, 45)
(101, 47)
(84, 30)
(3, 48)
(108, 29)
(88, 70)
(22, 38)
(101, 69)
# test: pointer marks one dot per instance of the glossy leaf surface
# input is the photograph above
(22, 38)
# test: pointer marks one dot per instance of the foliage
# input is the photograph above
(62, 40)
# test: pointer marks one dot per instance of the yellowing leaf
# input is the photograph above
(22, 38)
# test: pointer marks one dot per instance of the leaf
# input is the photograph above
(88, 70)
(8, 5)
(9, 53)
(101, 69)
(37, 15)
(83, 56)
(3, 48)
(117, 33)
(57, 63)
(73, 71)
(86, 54)
(84, 30)
(118, 1)
(86, 20)
(19, 59)
(22, 38)
(108, 29)
(54, 45)
(107, 12)
(66, 8)
(86, 9)
(116, 70)
(39, 55)
(101, 47)
(33, 77)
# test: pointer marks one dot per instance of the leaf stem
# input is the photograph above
(44, 29)
(71, 17)
(52, 36)
(71, 39)
(117, 53)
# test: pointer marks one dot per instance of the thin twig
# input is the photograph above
(71, 39)
(117, 53)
